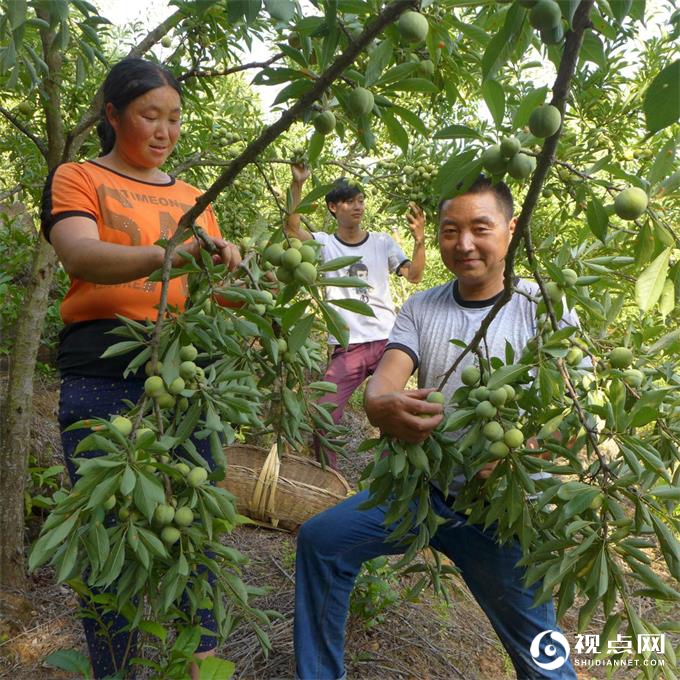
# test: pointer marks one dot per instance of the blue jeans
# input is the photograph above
(85, 397)
(332, 547)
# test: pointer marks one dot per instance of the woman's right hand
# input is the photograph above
(226, 252)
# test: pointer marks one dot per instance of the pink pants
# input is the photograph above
(348, 368)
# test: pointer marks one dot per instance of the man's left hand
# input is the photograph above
(416, 222)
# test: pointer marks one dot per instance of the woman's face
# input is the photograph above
(148, 128)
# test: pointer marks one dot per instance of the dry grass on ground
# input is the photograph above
(425, 640)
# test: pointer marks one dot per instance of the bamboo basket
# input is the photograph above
(281, 493)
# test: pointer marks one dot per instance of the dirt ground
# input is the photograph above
(423, 640)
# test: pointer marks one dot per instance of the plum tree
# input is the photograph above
(417, 117)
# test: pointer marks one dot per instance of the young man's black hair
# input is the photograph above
(482, 184)
(342, 190)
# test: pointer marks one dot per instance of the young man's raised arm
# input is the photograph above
(413, 271)
(401, 413)
(300, 174)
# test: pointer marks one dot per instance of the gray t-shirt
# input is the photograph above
(430, 319)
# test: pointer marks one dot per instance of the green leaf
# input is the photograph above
(324, 386)
(300, 333)
(356, 306)
(45, 545)
(104, 490)
(649, 286)
(593, 50)
(530, 101)
(506, 375)
(663, 163)
(214, 668)
(71, 661)
(316, 193)
(337, 326)
(378, 61)
(667, 300)
(550, 427)
(397, 73)
(114, 564)
(458, 132)
(597, 217)
(494, 96)
(458, 419)
(68, 559)
(501, 45)
(127, 483)
(452, 172)
(153, 628)
(296, 89)
(187, 641)
(662, 99)
(343, 282)
(411, 118)
(314, 149)
(292, 314)
(16, 13)
(395, 130)
(148, 494)
(666, 492)
(338, 263)
(415, 85)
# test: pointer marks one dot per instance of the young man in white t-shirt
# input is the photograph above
(381, 256)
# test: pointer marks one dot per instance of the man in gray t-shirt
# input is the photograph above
(475, 229)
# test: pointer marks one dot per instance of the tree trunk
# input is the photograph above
(15, 418)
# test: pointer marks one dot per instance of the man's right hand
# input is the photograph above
(405, 414)
(300, 172)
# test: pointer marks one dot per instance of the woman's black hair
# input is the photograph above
(127, 80)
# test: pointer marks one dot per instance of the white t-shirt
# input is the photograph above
(380, 257)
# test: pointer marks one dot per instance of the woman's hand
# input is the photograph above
(226, 252)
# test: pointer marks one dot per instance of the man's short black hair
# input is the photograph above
(482, 185)
(343, 190)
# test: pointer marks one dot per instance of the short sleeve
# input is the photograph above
(321, 236)
(395, 255)
(211, 223)
(404, 334)
(68, 192)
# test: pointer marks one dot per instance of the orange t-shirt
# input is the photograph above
(129, 212)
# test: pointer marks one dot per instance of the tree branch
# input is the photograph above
(561, 86)
(42, 147)
(10, 192)
(215, 73)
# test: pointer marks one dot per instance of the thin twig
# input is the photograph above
(215, 73)
(10, 192)
(42, 147)
(282, 570)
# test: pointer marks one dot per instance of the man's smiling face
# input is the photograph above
(474, 234)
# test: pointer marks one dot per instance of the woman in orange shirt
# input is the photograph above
(103, 218)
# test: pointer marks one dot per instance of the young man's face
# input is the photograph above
(474, 234)
(349, 212)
